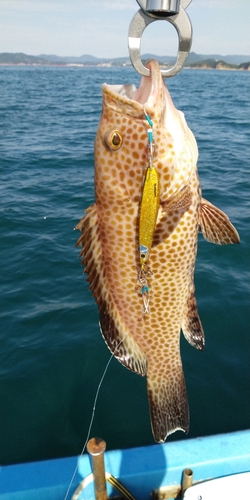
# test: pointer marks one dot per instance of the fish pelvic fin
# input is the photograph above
(191, 323)
(168, 403)
(216, 226)
(117, 337)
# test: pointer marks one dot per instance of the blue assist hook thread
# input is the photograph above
(150, 139)
(148, 118)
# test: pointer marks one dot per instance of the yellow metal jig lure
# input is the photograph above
(149, 207)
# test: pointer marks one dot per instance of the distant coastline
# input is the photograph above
(220, 65)
(195, 61)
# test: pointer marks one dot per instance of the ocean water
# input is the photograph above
(52, 352)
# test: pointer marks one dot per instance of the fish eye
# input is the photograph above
(113, 140)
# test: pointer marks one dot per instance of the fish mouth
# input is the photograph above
(148, 95)
(150, 87)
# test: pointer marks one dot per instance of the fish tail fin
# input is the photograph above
(168, 404)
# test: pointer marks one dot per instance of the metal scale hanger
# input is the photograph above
(172, 11)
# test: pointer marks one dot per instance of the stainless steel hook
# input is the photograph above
(172, 11)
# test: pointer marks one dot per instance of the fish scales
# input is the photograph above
(148, 344)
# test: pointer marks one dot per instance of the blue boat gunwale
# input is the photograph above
(140, 469)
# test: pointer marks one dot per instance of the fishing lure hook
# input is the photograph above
(149, 207)
(172, 11)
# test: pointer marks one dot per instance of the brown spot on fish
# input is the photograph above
(148, 344)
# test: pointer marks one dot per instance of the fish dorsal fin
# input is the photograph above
(116, 335)
(180, 201)
(191, 323)
(216, 226)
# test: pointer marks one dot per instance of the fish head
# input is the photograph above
(122, 143)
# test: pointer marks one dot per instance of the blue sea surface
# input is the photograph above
(52, 352)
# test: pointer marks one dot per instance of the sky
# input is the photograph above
(100, 28)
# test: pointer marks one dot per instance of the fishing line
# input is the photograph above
(92, 416)
(91, 420)
(94, 407)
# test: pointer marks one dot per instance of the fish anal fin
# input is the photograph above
(191, 323)
(216, 226)
(168, 403)
(180, 201)
(114, 330)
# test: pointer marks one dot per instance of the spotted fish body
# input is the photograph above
(148, 344)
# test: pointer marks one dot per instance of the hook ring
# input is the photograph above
(181, 23)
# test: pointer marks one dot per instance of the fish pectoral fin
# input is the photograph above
(180, 201)
(168, 403)
(116, 335)
(216, 226)
(191, 323)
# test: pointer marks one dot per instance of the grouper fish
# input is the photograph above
(144, 307)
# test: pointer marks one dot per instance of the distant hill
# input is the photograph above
(85, 58)
(213, 64)
(194, 60)
(230, 59)
(20, 58)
